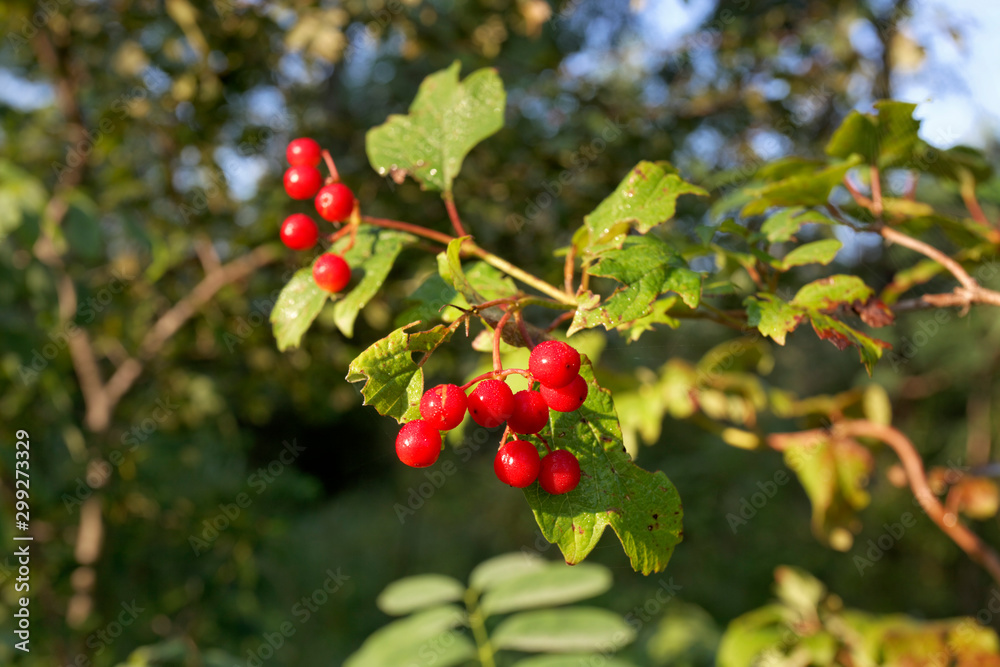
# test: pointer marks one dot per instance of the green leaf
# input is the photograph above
(833, 474)
(802, 189)
(887, 138)
(426, 303)
(772, 316)
(418, 592)
(556, 584)
(816, 252)
(393, 382)
(297, 306)
(647, 267)
(573, 660)
(21, 194)
(831, 292)
(423, 639)
(751, 634)
(784, 224)
(857, 135)
(480, 283)
(843, 336)
(657, 315)
(446, 120)
(503, 568)
(373, 254)
(564, 630)
(647, 197)
(642, 507)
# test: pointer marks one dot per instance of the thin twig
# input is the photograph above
(896, 236)
(568, 270)
(876, 180)
(456, 221)
(861, 199)
(497, 335)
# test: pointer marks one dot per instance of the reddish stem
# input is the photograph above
(456, 222)
(524, 330)
(568, 315)
(568, 270)
(334, 175)
(416, 230)
(496, 375)
(497, 335)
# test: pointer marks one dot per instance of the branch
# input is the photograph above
(168, 324)
(456, 222)
(959, 533)
(896, 236)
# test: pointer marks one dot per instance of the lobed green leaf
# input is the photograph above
(647, 197)
(394, 383)
(446, 121)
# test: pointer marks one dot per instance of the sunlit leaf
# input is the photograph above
(446, 121)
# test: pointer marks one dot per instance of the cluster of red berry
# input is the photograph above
(556, 368)
(334, 202)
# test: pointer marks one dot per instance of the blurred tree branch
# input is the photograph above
(916, 477)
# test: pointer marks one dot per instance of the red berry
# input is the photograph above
(302, 182)
(559, 472)
(531, 412)
(444, 406)
(554, 363)
(299, 232)
(303, 152)
(517, 463)
(418, 444)
(335, 202)
(331, 272)
(568, 398)
(491, 403)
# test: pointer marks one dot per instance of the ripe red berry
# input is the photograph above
(559, 472)
(302, 182)
(418, 444)
(335, 202)
(303, 152)
(299, 232)
(444, 406)
(554, 363)
(531, 413)
(331, 272)
(491, 403)
(568, 398)
(517, 463)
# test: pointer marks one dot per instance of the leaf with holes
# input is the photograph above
(643, 508)
(446, 121)
(394, 383)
